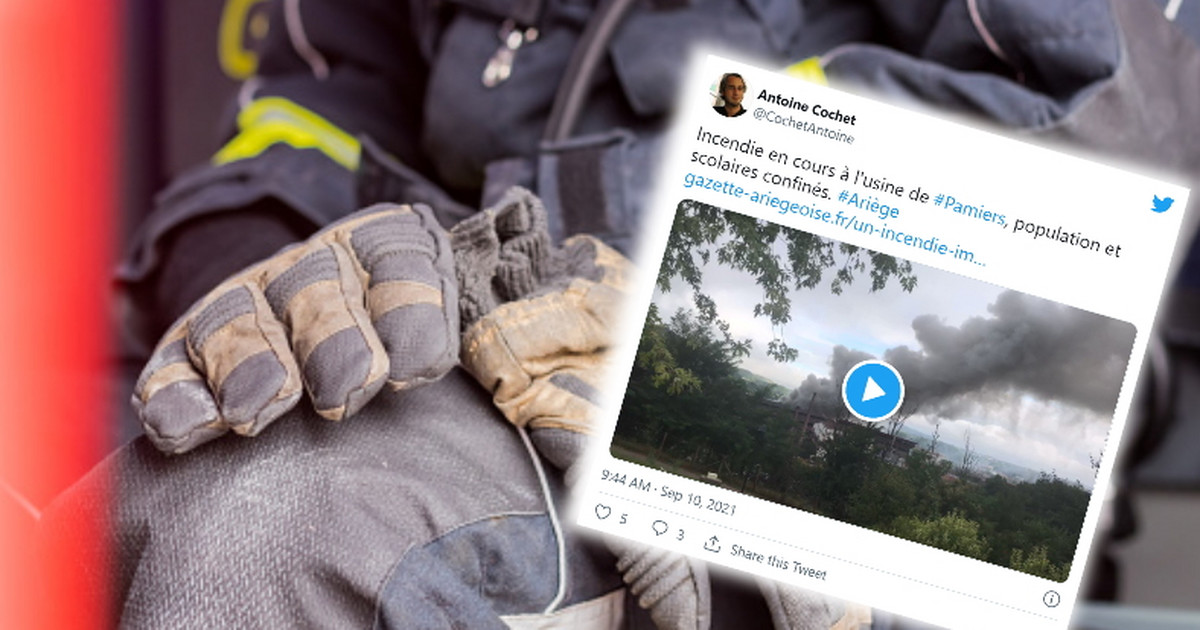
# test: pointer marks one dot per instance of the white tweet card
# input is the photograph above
(877, 354)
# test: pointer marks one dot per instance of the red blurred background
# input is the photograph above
(58, 173)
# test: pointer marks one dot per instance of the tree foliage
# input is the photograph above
(654, 354)
(779, 259)
(1037, 562)
(951, 532)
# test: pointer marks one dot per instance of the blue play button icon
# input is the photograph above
(873, 390)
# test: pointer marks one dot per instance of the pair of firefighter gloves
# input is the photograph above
(387, 298)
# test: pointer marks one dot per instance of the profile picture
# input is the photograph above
(731, 89)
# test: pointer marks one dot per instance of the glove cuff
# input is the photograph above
(501, 254)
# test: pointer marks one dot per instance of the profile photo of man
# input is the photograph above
(732, 90)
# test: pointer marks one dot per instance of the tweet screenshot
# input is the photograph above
(882, 356)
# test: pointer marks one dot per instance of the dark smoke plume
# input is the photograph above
(1026, 345)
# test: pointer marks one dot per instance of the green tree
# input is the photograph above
(924, 471)
(1038, 563)
(779, 259)
(849, 464)
(655, 357)
(889, 495)
(1046, 513)
(952, 532)
(685, 392)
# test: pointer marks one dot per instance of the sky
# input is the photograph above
(1030, 381)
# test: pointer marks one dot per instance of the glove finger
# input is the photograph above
(411, 294)
(318, 295)
(240, 347)
(173, 401)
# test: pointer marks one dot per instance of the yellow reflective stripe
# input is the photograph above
(268, 121)
(237, 60)
(809, 69)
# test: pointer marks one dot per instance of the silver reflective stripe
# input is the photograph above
(300, 42)
(607, 611)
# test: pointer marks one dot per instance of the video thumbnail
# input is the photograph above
(873, 390)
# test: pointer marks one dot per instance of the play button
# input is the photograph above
(873, 390)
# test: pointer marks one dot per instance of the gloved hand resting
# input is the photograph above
(369, 300)
(376, 299)
(538, 322)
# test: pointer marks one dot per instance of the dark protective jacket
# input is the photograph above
(451, 103)
(404, 111)
(409, 114)
(425, 512)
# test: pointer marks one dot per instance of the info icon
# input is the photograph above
(873, 390)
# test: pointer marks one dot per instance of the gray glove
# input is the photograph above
(538, 322)
(369, 300)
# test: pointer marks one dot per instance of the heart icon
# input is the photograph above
(602, 511)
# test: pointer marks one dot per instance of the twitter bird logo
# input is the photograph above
(1162, 205)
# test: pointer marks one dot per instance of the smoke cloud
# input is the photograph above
(1024, 346)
